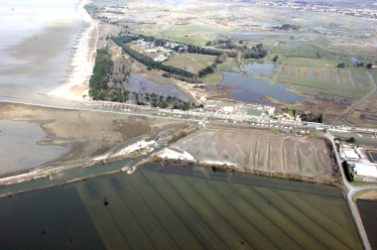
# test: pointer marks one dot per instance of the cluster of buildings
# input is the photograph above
(361, 160)
(158, 53)
(286, 116)
(242, 110)
(323, 7)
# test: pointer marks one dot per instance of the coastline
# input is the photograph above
(76, 84)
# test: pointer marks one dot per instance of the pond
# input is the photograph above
(174, 207)
(249, 88)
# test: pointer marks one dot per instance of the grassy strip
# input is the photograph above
(323, 235)
(101, 218)
(336, 229)
(199, 228)
(126, 222)
(171, 222)
(232, 214)
(212, 217)
(264, 224)
(302, 235)
(151, 223)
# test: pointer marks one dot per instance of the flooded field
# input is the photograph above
(139, 84)
(248, 88)
(172, 207)
(368, 214)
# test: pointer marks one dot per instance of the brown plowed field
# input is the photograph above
(256, 151)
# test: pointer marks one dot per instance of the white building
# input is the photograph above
(228, 109)
(349, 154)
(367, 170)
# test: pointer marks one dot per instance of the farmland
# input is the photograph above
(257, 151)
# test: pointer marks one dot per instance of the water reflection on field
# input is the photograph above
(171, 207)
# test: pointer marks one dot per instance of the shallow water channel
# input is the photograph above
(174, 207)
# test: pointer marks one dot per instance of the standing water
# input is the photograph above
(173, 207)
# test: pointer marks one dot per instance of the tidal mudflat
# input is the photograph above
(84, 135)
(172, 207)
(21, 147)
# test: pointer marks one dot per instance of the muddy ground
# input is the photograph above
(85, 134)
(262, 151)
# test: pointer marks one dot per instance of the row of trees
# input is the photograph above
(160, 101)
(101, 75)
(342, 65)
(149, 62)
(206, 51)
(211, 68)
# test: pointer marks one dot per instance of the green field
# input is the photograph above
(190, 62)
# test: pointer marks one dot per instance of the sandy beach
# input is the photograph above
(77, 84)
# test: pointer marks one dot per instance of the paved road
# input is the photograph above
(351, 192)
(188, 116)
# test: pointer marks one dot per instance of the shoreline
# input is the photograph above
(76, 85)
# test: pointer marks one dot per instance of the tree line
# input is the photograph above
(149, 62)
(211, 69)
(101, 74)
